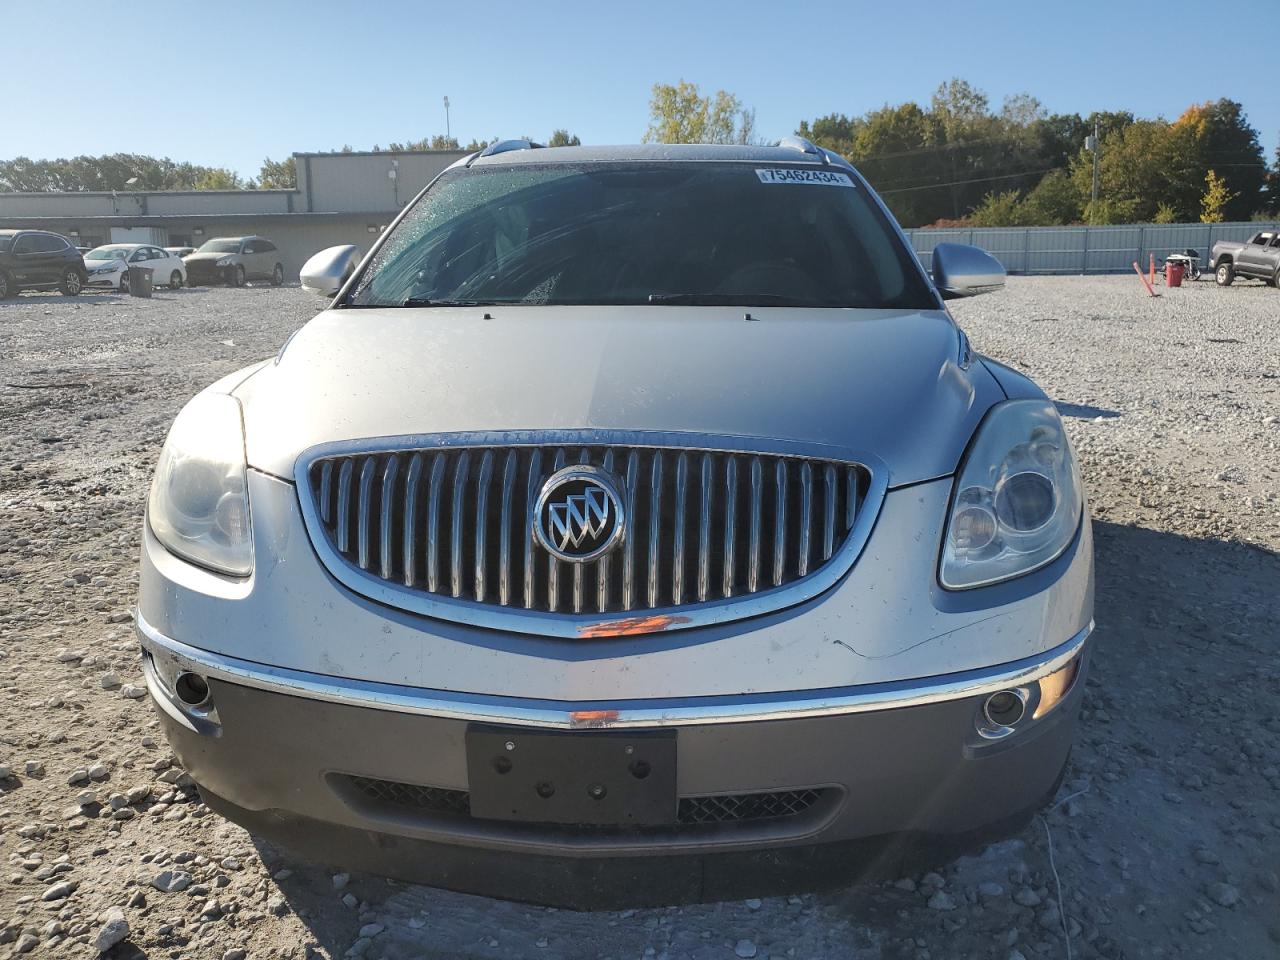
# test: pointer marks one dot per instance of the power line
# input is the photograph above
(956, 183)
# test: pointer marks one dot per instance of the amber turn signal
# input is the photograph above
(1054, 687)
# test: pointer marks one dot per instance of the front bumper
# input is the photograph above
(104, 280)
(198, 273)
(375, 777)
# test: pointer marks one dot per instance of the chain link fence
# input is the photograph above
(1085, 249)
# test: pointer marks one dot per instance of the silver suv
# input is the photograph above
(234, 261)
(626, 506)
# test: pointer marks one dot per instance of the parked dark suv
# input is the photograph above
(36, 260)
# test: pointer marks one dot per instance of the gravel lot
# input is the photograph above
(1165, 837)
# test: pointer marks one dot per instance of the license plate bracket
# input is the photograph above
(580, 777)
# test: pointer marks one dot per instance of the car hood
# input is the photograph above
(203, 257)
(99, 264)
(882, 386)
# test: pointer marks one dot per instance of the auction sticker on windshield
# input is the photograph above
(822, 178)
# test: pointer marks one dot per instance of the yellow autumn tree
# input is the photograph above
(1215, 198)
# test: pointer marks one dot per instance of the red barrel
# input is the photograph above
(1173, 274)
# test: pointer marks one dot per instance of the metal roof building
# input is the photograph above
(340, 198)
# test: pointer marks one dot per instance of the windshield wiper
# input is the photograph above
(431, 302)
(729, 299)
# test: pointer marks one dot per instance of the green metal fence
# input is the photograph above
(1085, 249)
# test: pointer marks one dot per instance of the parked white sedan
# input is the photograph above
(108, 266)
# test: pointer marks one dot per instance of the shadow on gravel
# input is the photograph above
(1165, 797)
(50, 299)
(1085, 412)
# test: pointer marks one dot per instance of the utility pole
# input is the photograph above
(1091, 144)
(448, 134)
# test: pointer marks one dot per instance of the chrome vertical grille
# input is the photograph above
(703, 527)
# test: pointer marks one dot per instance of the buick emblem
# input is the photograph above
(578, 516)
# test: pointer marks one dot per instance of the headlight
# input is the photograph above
(224, 262)
(199, 504)
(1019, 498)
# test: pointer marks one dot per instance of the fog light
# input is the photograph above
(1054, 688)
(1004, 709)
(192, 689)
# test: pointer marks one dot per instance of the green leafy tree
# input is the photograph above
(1137, 171)
(1216, 135)
(1054, 200)
(1271, 202)
(1107, 211)
(835, 131)
(1165, 214)
(562, 138)
(278, 174)
(108, 172)
(679, 113)
(1001, 210)
(218, 179)
(960, 109)
(1022, 111)
(894, 149)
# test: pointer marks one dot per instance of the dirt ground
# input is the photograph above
(1165, 838)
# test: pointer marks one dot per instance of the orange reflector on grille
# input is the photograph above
(592, 718)
(631, 626)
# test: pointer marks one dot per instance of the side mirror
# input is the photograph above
(960, 270)
(326, 272)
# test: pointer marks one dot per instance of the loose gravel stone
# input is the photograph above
(1223, 894)
(744, 949)
(171, 881)
(942, 901)
(1027, 897)
(59, 891)
(114, 929)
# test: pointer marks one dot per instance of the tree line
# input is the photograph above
(954, 160)
(132, 171)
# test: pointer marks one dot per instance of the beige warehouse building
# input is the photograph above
(340, 198)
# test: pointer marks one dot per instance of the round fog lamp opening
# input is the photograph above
(192, 689)
(1004, 709)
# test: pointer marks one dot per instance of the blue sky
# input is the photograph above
(266, 78)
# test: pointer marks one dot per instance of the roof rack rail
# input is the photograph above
(506, 146)
(804, 146)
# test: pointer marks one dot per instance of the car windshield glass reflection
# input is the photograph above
(108, 253)
(221, 246)
(645, 233)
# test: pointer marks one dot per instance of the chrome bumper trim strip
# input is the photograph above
(620, 713)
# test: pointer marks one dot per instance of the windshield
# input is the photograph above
(645, 233)
(220, 246)
(109, 253)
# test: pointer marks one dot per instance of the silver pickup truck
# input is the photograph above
(1259, 259)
